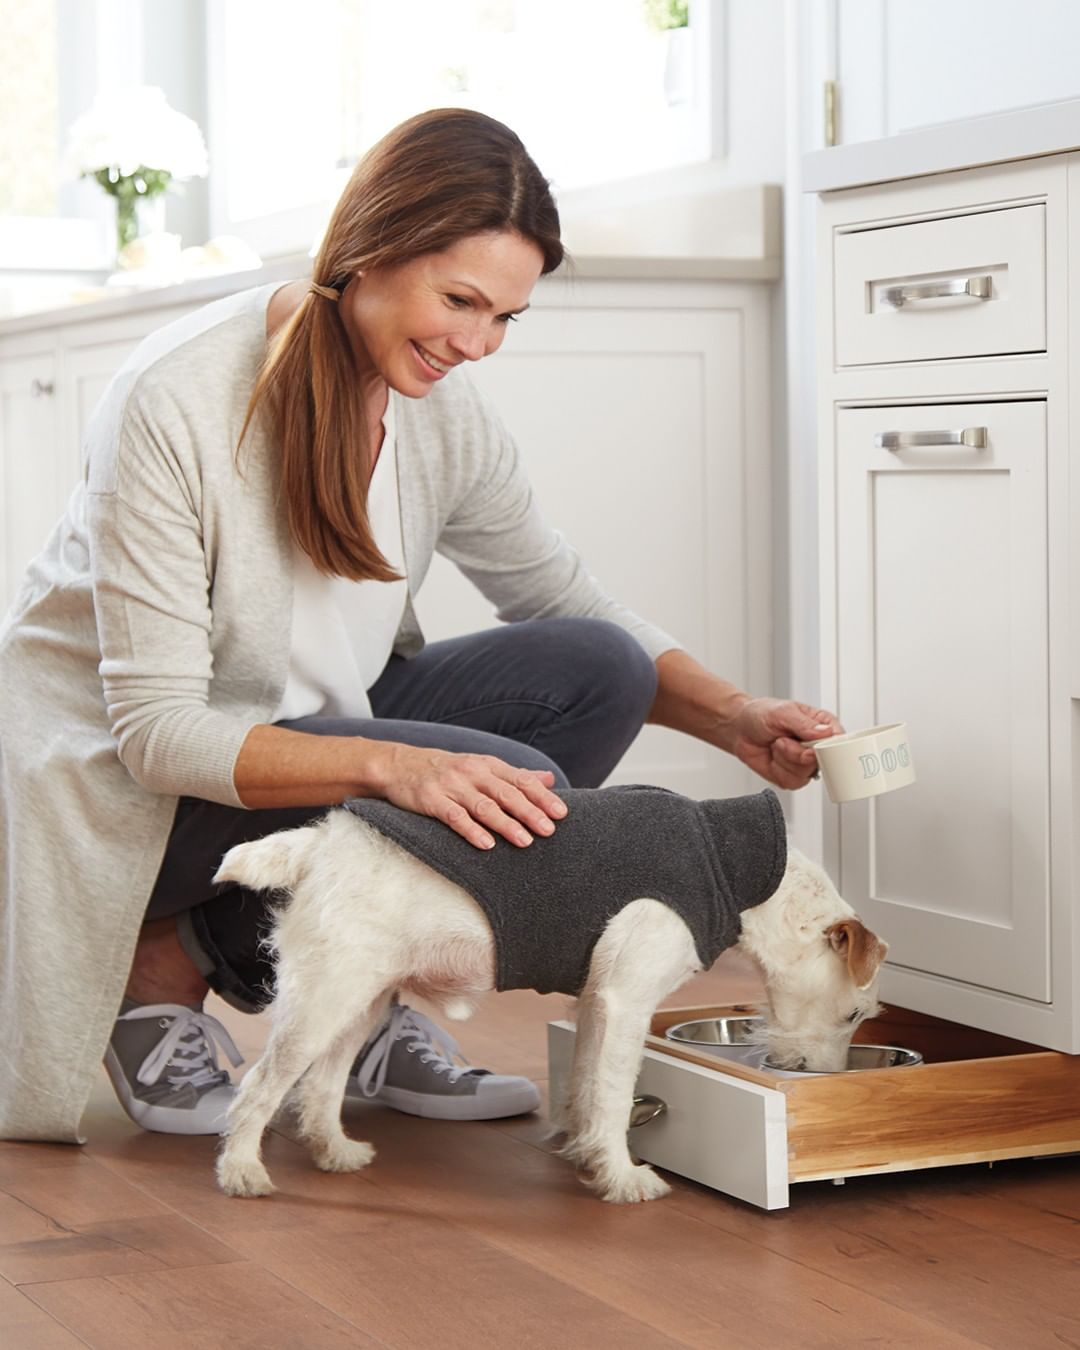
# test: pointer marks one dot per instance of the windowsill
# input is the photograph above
(631, 231)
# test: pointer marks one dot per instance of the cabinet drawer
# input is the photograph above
(751, 1134)
(964, 286)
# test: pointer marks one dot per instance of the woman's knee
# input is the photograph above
(612, 663)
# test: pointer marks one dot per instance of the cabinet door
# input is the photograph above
(908, 64)
(942, 623)
(31, 491)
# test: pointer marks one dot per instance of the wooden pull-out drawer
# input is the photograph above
(741, 1130)
(964, 286)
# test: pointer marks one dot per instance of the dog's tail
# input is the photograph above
(275, 863)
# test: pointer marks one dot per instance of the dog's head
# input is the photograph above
(820, 964)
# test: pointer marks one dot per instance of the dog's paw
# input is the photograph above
(243, 1178)
(630, 1185)
(343, 1155)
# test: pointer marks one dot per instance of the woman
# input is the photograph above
(218, 641)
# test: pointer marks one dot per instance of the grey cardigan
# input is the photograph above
(548, 904)
(152, 633)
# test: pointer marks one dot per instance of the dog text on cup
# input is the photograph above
(887, 762)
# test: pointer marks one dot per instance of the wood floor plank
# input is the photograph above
(173, 1241)
(229, 1306)
(70, 1258)
(1002, 1293)
(21, 1223)
(20, 1160)
(180, 1176)
(25, 1326)
(1009, 1201)
(411, 1281)
(77, 1191)
(115, 1247)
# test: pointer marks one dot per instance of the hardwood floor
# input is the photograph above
(466, 1235)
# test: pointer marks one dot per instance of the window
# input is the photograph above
(28, 101)
(57, 53)
(595, 90)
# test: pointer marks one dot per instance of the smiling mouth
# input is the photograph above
(433, 361)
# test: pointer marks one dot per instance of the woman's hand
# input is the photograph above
(477, 795)
(771, 734)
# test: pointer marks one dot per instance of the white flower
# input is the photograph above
(134, 126)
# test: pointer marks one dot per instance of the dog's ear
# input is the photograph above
(864, 950)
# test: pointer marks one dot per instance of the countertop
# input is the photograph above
(1027, 132)
(728, 235)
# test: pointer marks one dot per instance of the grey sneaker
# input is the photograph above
(163, 1065)
(409, 1065)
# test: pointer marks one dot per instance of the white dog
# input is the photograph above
(367, 918)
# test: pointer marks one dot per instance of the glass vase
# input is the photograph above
(138, 215)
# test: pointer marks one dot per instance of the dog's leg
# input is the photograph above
(320, 1094)
(312, 1015)
(644, 954)
(240, 1169)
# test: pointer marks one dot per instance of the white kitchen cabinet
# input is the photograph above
(643, 408)
(33, 477)
(948, 582)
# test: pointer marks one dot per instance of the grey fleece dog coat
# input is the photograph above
(549, 903)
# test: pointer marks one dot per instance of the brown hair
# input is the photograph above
(430, 182)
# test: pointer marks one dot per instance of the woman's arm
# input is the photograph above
(152, 599)
(476, 795)
(768, 734)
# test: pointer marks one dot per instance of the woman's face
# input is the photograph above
(409, 325)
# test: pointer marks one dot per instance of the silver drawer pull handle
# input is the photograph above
(41, 387)
(978, 287)
(645, 1109)
(973, 437)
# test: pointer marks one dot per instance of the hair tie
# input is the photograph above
(327, 292)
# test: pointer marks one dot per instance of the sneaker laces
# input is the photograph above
(187, 1047)
(435, 1047)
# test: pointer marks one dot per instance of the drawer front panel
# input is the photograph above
(965, 286)
(720, 1131)
(942, 624)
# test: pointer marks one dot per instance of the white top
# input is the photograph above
(343, 631)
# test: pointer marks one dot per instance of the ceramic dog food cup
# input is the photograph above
(865, 763)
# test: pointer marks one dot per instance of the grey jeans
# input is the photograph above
(567, 695)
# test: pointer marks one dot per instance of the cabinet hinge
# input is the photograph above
(832, 94)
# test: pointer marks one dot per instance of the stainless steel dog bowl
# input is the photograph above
(859, 1057)
(741, 1030)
